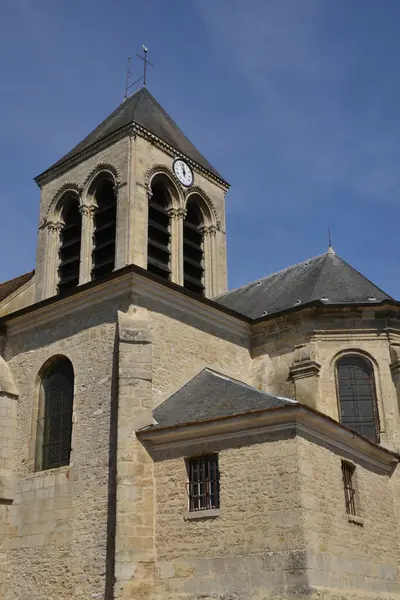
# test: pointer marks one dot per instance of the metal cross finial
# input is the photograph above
(146, 62)
(128, 72)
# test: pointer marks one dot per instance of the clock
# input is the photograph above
(183, 172)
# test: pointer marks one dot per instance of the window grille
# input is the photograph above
(193, 253)
(57, 396)
(203, 485)
(357, 398)
(159, 237)
(348, 483)
(105, 220)
(70, 247)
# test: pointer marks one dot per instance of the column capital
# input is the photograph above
(54, 225)
(87, 210)
(176, 213)
(209, 230)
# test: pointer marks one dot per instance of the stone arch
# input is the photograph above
(205, 205)
(53, 212)
(355, 351)
(105, 169)
(166, 176)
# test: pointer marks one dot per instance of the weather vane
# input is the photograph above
(143, 77)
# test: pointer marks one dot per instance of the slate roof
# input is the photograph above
(144, 110)
(326, 277)
(210, 395)
(10, 286)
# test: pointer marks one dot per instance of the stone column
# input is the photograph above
(177, 216)
(209, 237)
(305, 375)
(52, 259)
(87, 211)
(134, 539)
(395, 368)
(8, 424)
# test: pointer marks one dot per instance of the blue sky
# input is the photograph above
(295, 102)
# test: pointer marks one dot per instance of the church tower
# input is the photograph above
(134, 191)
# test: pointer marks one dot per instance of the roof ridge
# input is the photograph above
(306, 260)
(366, 278)
(327, 255)
(237, 381)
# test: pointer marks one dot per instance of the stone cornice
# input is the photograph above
(132, 129)
(127, 281)
(296, 419)
(304, 368)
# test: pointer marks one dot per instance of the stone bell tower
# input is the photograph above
(134, 191)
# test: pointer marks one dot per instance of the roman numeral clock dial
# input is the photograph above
(183, 172)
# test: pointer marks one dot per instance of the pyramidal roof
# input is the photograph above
(327, 278)
(144, 110)
(210, 395)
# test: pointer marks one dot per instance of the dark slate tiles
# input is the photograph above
(210, 395)
(326, 277)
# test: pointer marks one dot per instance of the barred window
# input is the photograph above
(203, 485)
(348, 471)
(357, 397)
(55, 415)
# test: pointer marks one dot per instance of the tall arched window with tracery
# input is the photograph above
(105, 223)
(193, 249)
(70, 245)
(357, 396)
(159, 232)
(54, 429)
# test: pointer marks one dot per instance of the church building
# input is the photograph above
(165, 438)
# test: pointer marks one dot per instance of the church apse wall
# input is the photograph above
(296, 356)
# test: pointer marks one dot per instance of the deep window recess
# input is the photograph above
(357, 398)
(349, 490)
(55, 422)
(203, 485)
(159, 237)
(105, 220)
(193, 254)
(70, 247)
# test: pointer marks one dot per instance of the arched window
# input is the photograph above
(357, 397)
(55, 415)
(105, 221)
(70, 246)
(193, 253)
(159, 236)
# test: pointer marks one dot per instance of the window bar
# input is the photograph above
(349, 491)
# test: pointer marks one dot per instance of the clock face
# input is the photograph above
(183, 172)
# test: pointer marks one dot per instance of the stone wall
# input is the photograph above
(342, 553)
(282, 530)
(255, 543)
(57, 533)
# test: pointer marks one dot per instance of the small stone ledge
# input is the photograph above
(356, 520)
(211, 513)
